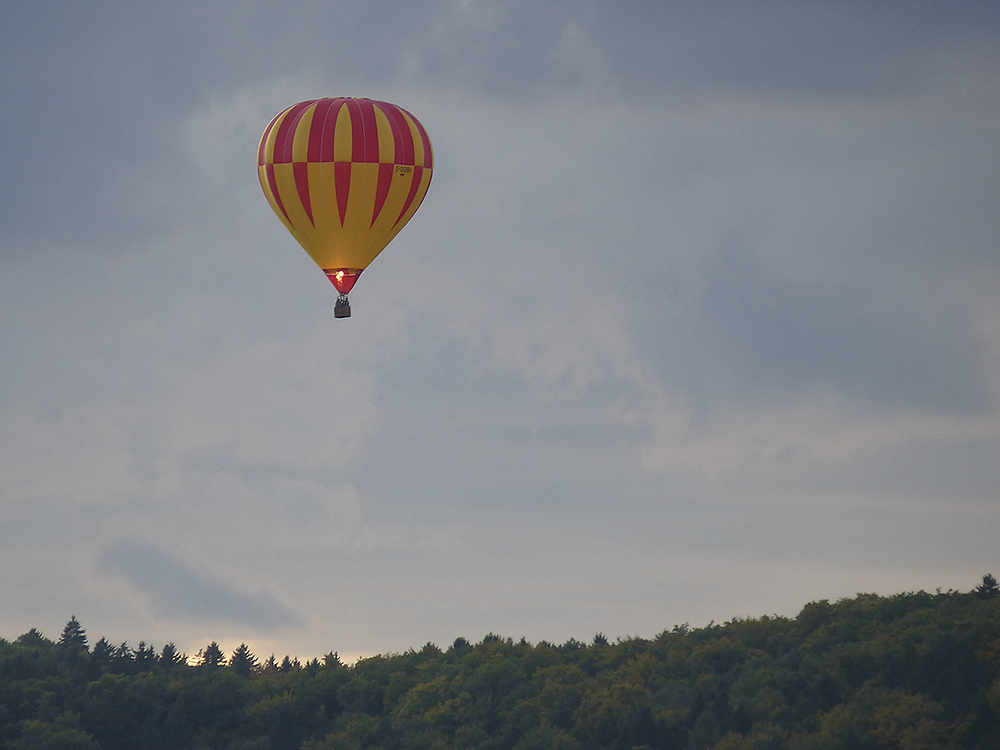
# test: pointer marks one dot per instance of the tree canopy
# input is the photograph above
(914, 670)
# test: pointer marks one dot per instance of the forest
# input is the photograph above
(914, 670)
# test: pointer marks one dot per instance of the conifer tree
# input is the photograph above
(270, 666)
(73, 636)
(103, 651)
(211, 657)
(988, 588)
(145, 656)
(242, 661)
(170, 657)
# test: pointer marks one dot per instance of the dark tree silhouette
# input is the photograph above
(73, 635)
(212, 657)
(145, 656)
(103, 651)
(989, 587)
(170, 657)
(915, 670)
(270, 666)
(242, 661)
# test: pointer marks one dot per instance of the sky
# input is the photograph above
(699, 320)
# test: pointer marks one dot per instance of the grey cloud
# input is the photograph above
(97, 97)
(647, 50)
(774, 223)
(786, 48)
(818, 260)
(766, 338)
(179, 592)
(102, 92)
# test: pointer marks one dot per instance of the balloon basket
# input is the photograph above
(342, 309)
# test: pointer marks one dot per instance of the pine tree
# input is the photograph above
(145, 656)
(988, 588)
(170, 657)
(103, 651)
(270, 666)
(124, 659)
(211, 657)
(74, 636)
(242, 661)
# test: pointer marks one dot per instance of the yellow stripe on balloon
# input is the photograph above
(323, 191)
(418, 142)
(300, 142)
(386, 143)
(343, 139)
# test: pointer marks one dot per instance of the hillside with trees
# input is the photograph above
(914, 670)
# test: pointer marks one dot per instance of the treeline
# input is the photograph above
(915, 670)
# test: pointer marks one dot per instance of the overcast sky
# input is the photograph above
(700, 319)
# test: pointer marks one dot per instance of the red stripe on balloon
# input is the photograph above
(321, 133)
(273, 183)
(397, 138)
(286, 133)
(428, 152)
(401, 133)
(369, 130)
(357, 131)
(301, 171)
(342, 181)
(382, 188)
(417, 172)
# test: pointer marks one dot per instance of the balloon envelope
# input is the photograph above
(344, 176)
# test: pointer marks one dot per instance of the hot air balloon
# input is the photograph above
(344, 175)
